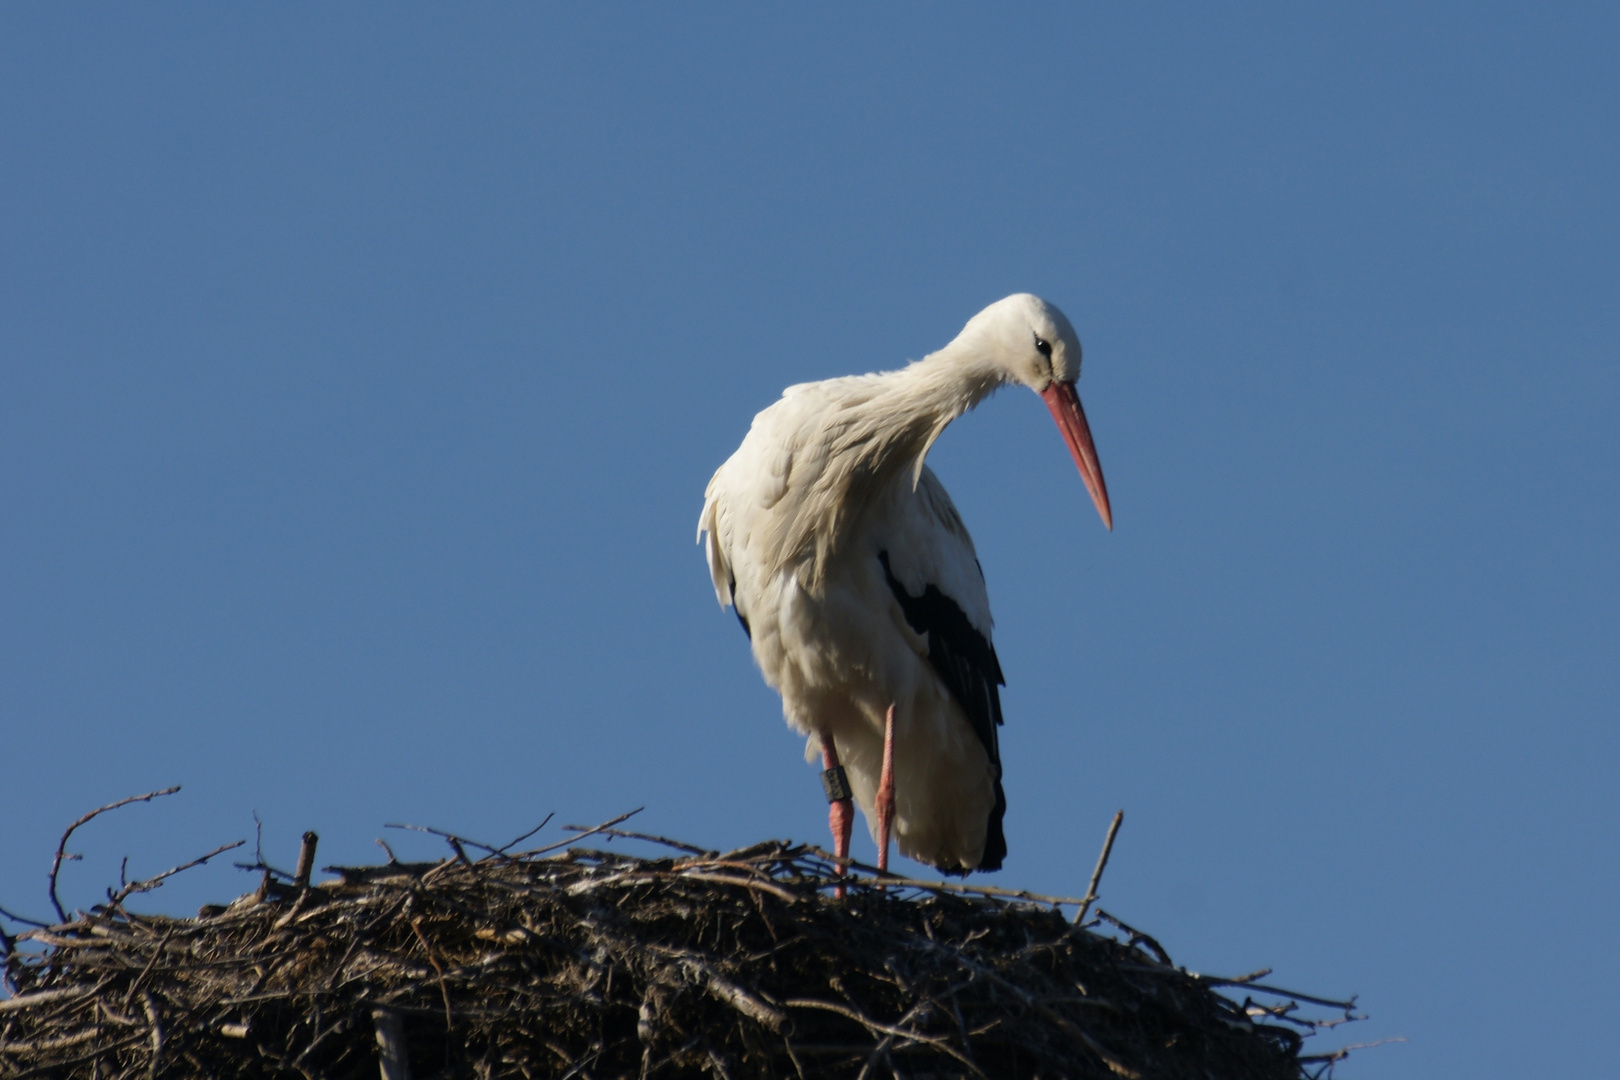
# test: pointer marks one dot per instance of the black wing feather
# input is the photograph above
(966, 663)
(736, 610)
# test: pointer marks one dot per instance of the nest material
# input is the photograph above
(597, 964)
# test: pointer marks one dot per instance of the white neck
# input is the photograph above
(873, 440)
(945, 384)
(920, 400)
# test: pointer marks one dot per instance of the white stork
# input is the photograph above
(858, 586)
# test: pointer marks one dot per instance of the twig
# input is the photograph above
(270, 872)
(22, 919)
(44, 997)
(502, 850)
(1102, 864)
(295, 909)
(157, 1031)
(744, 1002)
(55, 1068)
(720, 1066)
(881, 1049)
(1345, 1051)
(129, 995)
(416, 925)
(583, 833)
(151, 883)
(746, 883)
(1327, 1003)
(258, 839)
(690, 849)
(874, 1025)
(258, 863)
(1241, 980)
(61, 848)
(454, 840)
(1137, 936)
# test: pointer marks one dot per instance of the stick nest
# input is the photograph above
(596, 964)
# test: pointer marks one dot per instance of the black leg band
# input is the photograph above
(836, 784)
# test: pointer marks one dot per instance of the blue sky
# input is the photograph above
(361, 370)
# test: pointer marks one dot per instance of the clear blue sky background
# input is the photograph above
(361, 370)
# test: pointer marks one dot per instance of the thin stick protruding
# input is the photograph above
(61, 848)
(131, 887)
(1102, 864)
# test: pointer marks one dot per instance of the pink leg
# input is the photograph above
(885, 792)
(840, 807)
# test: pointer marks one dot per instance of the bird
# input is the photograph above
(860, 591)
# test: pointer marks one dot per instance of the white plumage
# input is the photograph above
(858, 583)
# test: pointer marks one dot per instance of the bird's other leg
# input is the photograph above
(840, 806)
(884, 804)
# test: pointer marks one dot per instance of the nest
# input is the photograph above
(591, 963)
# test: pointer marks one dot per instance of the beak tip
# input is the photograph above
(1064, 403)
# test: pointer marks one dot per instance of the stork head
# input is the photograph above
(1028, 339)
(1032, 342)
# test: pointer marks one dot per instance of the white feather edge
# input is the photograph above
(922, 455)
(709, 524)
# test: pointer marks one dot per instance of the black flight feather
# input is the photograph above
(736, 609)
(966, 663)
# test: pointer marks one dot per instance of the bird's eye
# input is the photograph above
(1043, 348)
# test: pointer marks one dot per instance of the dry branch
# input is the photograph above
(61, 848)
(306, 860)
(131, 887)
(1102, 864)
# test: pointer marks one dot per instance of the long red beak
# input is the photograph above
(1064, 402)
